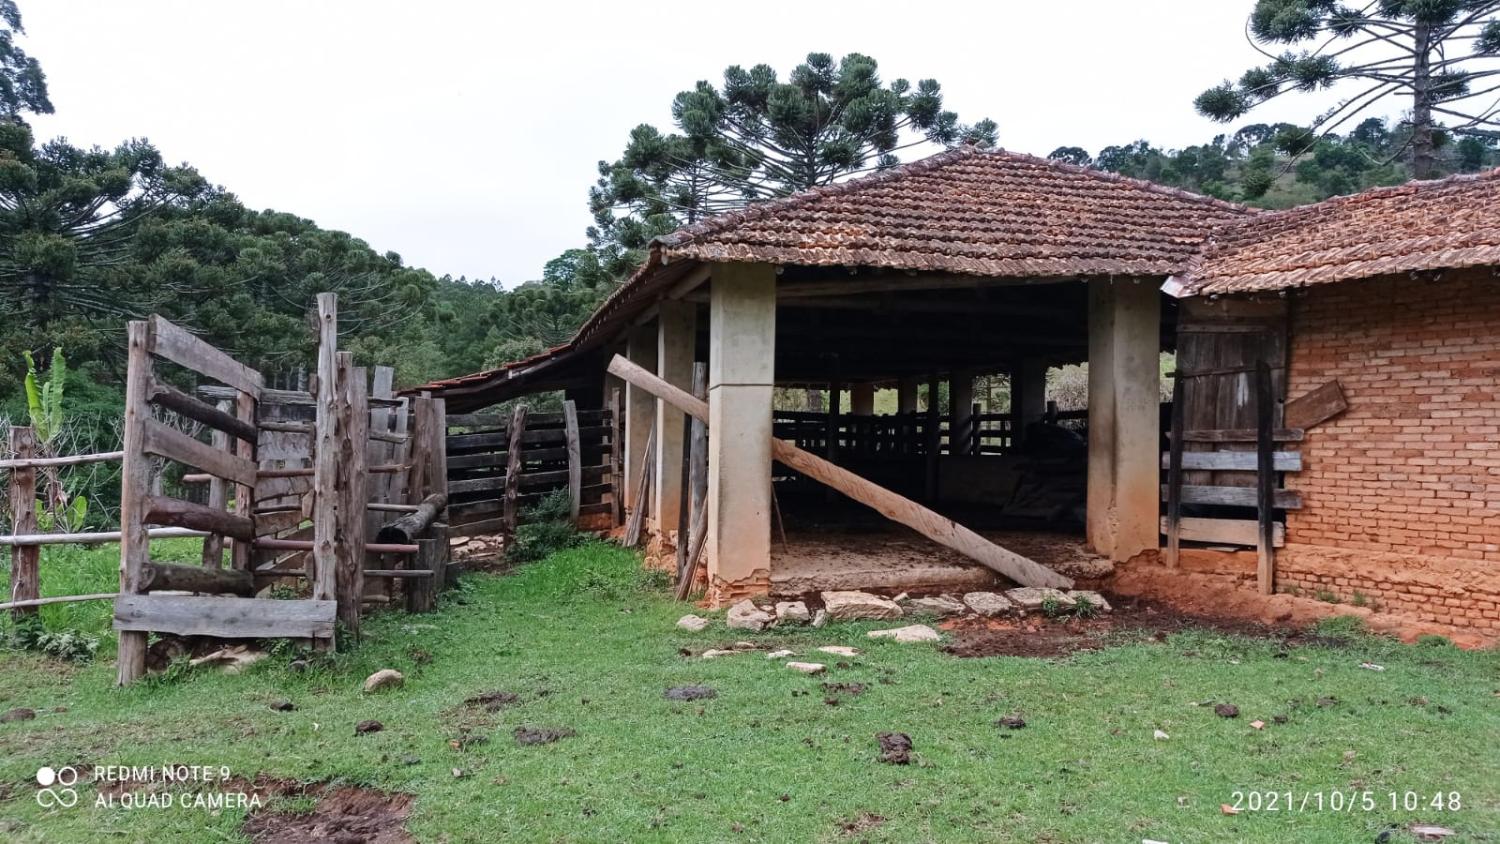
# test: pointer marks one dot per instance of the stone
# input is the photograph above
(850, 606)
(693, 623)
(385, 678)
(820, 618)
(792, 612)
(988, 603)
(941, 606)
(907, 635)
(745, 615)
(839, 650)
(714, 653)
(20, 713)
(1094, 598)
(1033, 598)
(781, 654)
(807, 667)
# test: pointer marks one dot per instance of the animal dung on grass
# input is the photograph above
(283, 705)
(20, 713)
(1011, 722)
(895, 748)
(855, 606)
(528, 736)
(493, 701)
(385, 678)
(370, 726)
(690, 693)
(1227, 710)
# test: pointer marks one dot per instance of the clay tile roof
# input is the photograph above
(972, 212)
(1444, 224)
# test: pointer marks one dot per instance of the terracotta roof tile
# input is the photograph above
(1444, 224)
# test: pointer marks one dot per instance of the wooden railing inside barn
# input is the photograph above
(501, 463)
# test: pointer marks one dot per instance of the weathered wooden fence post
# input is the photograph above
(218, 499)
(513, 467)
(353, 491)
(575, 458)
(326, 454)
(135, 486)
(242, 551)
(25, 579)
(616, 465)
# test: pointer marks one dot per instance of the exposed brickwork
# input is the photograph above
(1409, 477)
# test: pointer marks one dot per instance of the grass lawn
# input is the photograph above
(587, 642)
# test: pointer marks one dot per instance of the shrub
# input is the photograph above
(545, 528)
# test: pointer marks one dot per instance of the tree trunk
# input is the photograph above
(161, 577)
(1423, 145)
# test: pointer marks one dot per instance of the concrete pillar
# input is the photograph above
(960, 411)
(1124, 420)
(676, 339)
(640, 410)
(1028, 396)
(906, 395)
(862, 399)
(741, 372)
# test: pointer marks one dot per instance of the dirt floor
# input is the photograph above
(1132, 619)
(343, 815)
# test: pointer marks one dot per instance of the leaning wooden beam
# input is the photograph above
(172, 444)
(172, 512)
(934, 526)
(173, 399)
(180, 347)
(161, 577)
(407, 528)
(638, 513)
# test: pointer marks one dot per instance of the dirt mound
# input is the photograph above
(346, 814)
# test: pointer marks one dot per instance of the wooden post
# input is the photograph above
(135, 485)
(25, 582)
(326, 454)
(513, 468)
(436, 475)
(218, 499)
(638, 514)
(934, 438)
(1265, 479)
(420, 455)
(616, 449)
(353, 491)
(831, 427)
(575, 458)
(241, 551)
(1174, 474)
(439, 577)
(421, 592)
(697, 467)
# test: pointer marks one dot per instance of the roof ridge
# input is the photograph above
(1412, 186)
(1146, 184)
(756, 210)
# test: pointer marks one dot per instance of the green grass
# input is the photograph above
(589, 644)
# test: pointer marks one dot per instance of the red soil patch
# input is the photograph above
(346, 814)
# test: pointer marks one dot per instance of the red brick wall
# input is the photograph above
(1410, 474)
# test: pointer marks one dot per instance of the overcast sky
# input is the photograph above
(464, 135)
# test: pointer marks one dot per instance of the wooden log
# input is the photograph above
(1265, 480)
(171, 512)
(698, 456)
(161, 577)
(353, 490)
(438, 448)
(1243, 435)
(439, 532)
(325, 455)
(1235, 461)
(407, 528)
(174, 445)
(699, 533)
(513, 466)
(173, 399)
(1316, 406)
(932, 525)
(25, 560)
(575, 459)
(68, 460)
(638, 515)
(283, 398)
(1174, 477)
(135, 486)
(398, 573)
(182, 348)
(379, 507)
(224, 618)
(272, 544)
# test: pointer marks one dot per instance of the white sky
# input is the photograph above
(464, 134)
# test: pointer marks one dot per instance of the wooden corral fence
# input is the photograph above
(299, 484)
(500, 463)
